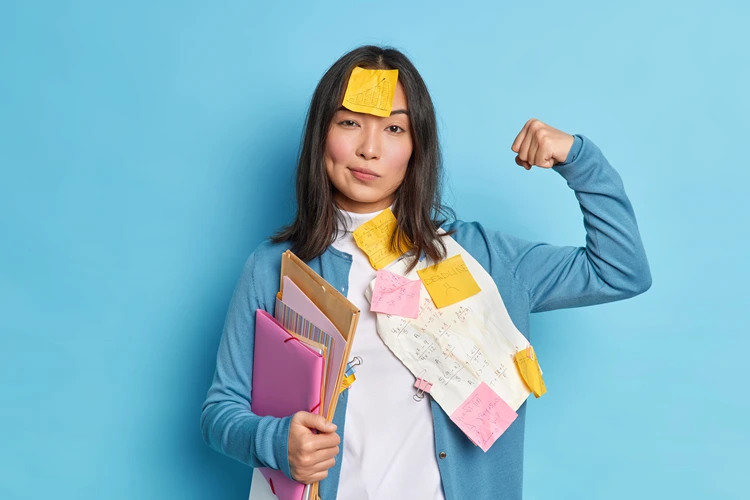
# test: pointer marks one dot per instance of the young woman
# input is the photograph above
(382, 443)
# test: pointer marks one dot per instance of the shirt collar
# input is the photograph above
(351, 220)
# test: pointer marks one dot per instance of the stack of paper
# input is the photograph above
(300, 356)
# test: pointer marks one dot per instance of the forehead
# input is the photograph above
(399, 97)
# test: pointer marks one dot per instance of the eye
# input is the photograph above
(348, 123)
(395, 129)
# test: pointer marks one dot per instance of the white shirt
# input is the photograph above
(389, 445)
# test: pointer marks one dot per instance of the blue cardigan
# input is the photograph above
(531, 277)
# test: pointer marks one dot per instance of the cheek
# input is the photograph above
(400, 158)
(337, 149)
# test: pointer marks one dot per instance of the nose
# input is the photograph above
(369, 146)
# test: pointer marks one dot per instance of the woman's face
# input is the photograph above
(366, 156)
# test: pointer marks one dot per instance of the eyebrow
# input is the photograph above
(393, 112)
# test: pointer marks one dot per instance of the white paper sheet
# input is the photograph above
(459, 346)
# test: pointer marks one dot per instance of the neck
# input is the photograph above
(361, 207)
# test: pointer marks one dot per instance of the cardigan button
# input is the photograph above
(442, 455)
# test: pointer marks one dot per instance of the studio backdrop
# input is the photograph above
(146, 148)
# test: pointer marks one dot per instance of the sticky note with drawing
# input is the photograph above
(484, 416)
(449, 281)
(528, 367)
(394, 294)
(374, 238)
(371, 91)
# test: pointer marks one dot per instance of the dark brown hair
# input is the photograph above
(417, 205)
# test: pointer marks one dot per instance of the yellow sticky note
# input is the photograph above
(347, 382)
(374, 238)
(449, 281)
(371, 91)
(528, 367)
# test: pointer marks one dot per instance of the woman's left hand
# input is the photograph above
(541, 145)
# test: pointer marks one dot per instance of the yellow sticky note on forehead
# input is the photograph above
(371, 91)
(449, 281)
(528, 367)
(374, 238)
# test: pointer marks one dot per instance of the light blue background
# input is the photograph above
(146, 148)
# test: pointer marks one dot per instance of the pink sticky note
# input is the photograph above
(394, 294)
(484, 416)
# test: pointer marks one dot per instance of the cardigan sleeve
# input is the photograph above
(227, 422)
(611, 266)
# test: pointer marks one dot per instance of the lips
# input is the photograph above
(364, 174)
(364, 171)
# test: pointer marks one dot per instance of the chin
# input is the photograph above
(366, 198)
(366, 203)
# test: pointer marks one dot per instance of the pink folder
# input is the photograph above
(287, 378)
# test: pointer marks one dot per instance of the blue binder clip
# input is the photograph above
(350, 366)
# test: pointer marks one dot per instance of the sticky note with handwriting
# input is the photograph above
(374, 238)
(484, 416)
(449, 281)
(371, 91)
(531, 373)
(394, 294)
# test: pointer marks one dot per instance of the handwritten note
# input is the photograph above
(458, 347)
(394, 294)
(374, 238)
(371, 91)
(484, 416)
(528, 367)
(449, 281)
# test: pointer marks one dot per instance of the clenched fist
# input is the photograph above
(541, 145)
(310, 454)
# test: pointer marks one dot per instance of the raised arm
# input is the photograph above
(612, 265)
